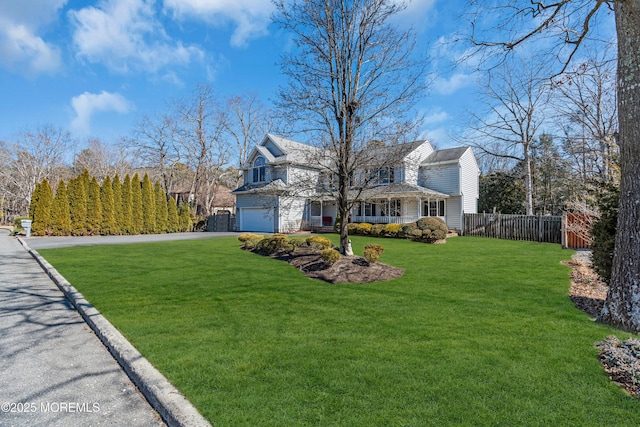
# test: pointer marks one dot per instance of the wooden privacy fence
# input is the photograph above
(576, 231)
(514, 227)
(570, 230)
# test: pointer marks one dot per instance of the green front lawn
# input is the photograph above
(477, 332)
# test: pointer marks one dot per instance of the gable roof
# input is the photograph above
(287, 151)
(396, 151)
(448, 155)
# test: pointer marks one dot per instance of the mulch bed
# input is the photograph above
(588, 292)
(348, 269)
(620, 359)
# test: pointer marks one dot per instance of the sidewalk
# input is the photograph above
(54, 370)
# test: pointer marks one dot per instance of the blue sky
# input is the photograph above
(95, 67)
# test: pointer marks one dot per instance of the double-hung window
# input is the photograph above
(259, 170)
(433, 208)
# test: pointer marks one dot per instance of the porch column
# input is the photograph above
(388, 210)
(321, 205)
(419, 206)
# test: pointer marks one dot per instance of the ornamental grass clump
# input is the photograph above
(372, 252)
(318, 242)
(330, 256)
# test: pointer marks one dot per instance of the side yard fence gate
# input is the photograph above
(570, 230)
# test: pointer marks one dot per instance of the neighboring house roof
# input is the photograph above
(446, 155)
(400, 190)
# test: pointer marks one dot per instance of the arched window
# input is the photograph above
(258, 169)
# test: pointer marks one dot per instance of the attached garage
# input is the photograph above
(257, 219)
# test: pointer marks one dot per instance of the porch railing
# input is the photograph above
(385, 219)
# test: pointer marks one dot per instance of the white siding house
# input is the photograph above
(424, 182)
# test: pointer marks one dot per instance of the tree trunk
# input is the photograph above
(528, 184)
(622, 307)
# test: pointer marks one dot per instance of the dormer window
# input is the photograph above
(259, 169)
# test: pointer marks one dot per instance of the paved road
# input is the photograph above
(53, 370)
(59, 242)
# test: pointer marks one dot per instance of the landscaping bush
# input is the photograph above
(272, 244)
(298, 241)
(249, 240)
(408, 229)
(431, 223)
(372, 252)
(432, 229)
(17, 225)
(337, 224)
(363, 228)
(377, 229)
(416, 234)
(352, 228)
(248, 236)
(392, 229)
(318, 242)
(603, 232)
(330, 256)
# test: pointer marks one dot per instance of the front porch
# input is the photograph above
(389, 210)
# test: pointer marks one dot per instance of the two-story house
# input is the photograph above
(419, 182)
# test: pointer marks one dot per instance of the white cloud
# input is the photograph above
(416, 14)
(444, 86)
(87, 104)
(22, 49)
(436, 117)
(249, 17)
(125, 35)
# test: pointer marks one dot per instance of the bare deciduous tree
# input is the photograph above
(199, 135)
(587, 103)
(516, 95)
(154, 136)
(569, 23)
(101, 160)
(352, 79)
(246, 122)
(37, 153)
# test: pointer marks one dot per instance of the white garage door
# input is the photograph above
(257, 219)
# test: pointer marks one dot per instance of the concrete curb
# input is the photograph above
(172, 406)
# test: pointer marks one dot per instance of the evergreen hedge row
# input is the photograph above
(82, 207)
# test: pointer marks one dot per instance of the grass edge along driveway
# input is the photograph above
(477, 332)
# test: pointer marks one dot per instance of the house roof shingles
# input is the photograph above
(400, 190)
(446, 155)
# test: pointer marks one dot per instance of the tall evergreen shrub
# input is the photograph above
(127, 206)
(109, 226)
(77, 195)
(173, 225)
(94, 208)
(117, 204)
(162, 214)
(60, 213)
(603, 231)
(186, 222)
(148, 206)
(136, 205)
(42, 210)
